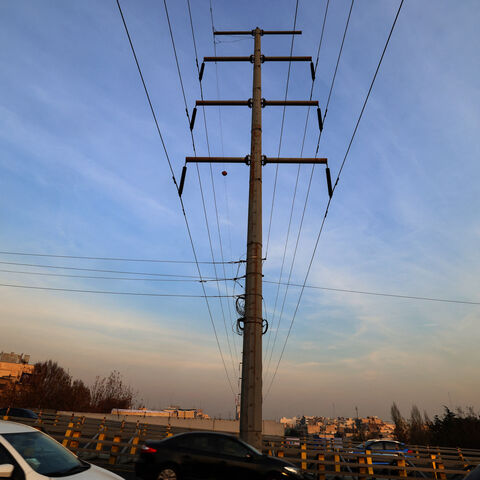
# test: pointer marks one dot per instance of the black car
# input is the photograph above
(212, 456)
(18, 412)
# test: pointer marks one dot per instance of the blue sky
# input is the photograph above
(83, 173)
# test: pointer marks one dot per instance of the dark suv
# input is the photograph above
(208, 455)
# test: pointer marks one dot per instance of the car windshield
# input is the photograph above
(250, 447)
(45, 455)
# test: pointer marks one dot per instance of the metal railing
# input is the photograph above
(115, 445)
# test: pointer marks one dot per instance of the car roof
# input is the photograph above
(204, 432)
(14, 427)
(382, 440)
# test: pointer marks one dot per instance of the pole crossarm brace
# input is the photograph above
(262, 32)
(263, 59)
(246, 160)
(265, 103)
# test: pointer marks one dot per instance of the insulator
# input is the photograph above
(202, 68)
(192, 121)
(320, 121)
(312, 71)
(182, 180)
(329, 182)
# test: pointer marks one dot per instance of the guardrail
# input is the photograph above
(115, 445)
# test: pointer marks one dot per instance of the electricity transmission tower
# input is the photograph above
(252, 325)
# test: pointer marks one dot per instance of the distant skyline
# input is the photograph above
(83, 173)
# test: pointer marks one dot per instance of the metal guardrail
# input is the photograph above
(115, 444)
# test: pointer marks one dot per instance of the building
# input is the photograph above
(172, 412)
(14, 369)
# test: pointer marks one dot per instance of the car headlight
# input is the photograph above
(293, 470)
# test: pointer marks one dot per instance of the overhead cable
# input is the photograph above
(183, 209)
(115, 259)
(292, 207)
(379, 294)
(132, 279)
(142, 294)
(214, 196)
(198, 172)
(281, 131)
(330, 198)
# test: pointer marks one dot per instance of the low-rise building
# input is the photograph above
(14, 369)
(172, 412)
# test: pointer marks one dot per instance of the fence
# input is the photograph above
(115, 445)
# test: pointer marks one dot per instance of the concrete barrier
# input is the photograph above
(269, 427)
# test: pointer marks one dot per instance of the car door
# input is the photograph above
(377, 449)
(7, 458)
(198, 456)
(236, 462)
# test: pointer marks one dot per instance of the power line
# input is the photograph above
(198, 172)
(99, 270)
(307, 196)
(116, 259)
(335, 73)
(330, 198)
(220, 124)
(214, 199)
(379, 294)
(95, 277)
(182, 206)
(179, 73)
(293, 205)
(281, 132)
(108, 292)
(147, 94)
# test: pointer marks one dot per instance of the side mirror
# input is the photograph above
(6, 470)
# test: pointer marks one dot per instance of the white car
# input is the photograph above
(27, 454)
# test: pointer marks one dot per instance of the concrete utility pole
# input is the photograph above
(251, 398)
(252, 324)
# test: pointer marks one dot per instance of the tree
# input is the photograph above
(417, 430)
(401, 431)
(110, 392)
(50, 387)
(79, 397)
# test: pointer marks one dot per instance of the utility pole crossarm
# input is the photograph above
(264, 103)
(262, 32)
(246, 160)
(263, 59)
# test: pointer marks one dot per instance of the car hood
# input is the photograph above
(268, 460)
(93, 473)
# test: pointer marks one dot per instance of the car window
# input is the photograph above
(375, 446)
(202, 443)
(6, 458)
(228, 446)
(44, 454)
(391, 446)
